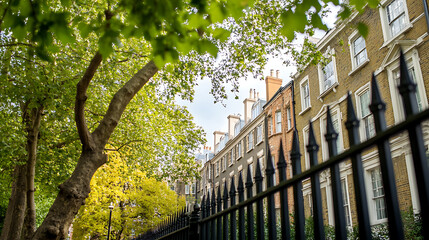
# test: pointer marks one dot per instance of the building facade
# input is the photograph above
(350, 62)
(234, 150)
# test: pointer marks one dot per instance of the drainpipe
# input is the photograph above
(425, 7)
(293, 104)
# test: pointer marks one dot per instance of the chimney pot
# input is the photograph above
(271, 72)
(254, 93)
(277, 73)
(250, 93)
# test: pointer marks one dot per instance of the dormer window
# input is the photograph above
(256, 109)
(237, 127)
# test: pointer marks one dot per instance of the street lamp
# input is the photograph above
(110, 219)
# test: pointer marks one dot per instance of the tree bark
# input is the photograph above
(75, 190)
(16, 208)
(21, 212)
(33, 127)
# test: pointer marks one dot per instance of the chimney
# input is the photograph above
(248, 102)
(271, 72)
(232, 120)
(277, 73)
(272, 84)
(217, 135)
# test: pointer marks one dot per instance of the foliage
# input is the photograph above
(140, 202)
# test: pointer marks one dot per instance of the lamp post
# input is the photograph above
(110, 219)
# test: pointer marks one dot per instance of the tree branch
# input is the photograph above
(82, 86)
(120, 101)
(123, 145)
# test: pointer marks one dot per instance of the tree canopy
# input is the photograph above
(140, 202)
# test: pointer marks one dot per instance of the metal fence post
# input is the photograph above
(193, 223)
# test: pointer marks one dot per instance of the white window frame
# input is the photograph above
(336, 114)
(305, 132)
(231, 157)
(217, 168)
(193, 188)
(225, 163)
(371, 201)
(187, 189)
(239, 150)
(330, 53)
(278, 121)
(259, 134)
(387, 33)
(352, 39)
(346, 201)
(288, 118)
(362, 126)
(250, 144)
(270, 125)
(413, 60)
(303, 84)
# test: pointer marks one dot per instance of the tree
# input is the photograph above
(140, 202)
(166, 35)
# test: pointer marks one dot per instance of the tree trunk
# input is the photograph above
(75, 190)
(33, 125)
(21, 212)
(16, 208)
(71, 197)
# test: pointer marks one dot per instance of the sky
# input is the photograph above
(213, 116)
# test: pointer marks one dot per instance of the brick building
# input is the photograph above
(280, 124)
(351, 60)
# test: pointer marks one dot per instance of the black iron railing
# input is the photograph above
(222, 222)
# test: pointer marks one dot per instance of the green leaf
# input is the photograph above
(221, 34)
(362, 29)
(345, 13)
(66, 3)
(84, 29)
(215, 12)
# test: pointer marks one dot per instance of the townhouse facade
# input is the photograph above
(280, 125)
(242, 145)
(265, 124)
(350, 62)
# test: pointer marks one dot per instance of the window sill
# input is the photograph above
(331, 88)
(304, 111)
(230, 164)
(290, 129)
(248, 150)
(238, 158)
(359, 67)
(259, 143)
(389, 41)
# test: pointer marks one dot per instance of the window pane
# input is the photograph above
(328, 73)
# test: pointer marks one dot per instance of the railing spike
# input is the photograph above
(249, 176)
(250, 219)
(378, 108)
(282, 161)
(352, 125)
(240, 190)
(225, 206)
(269, 173)
(259, 204)
(312, 149)
(407, 89)
(219, 209)
(232, 190)
(284, 204)
(295, 156)
(232, 219)
(331, 137)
